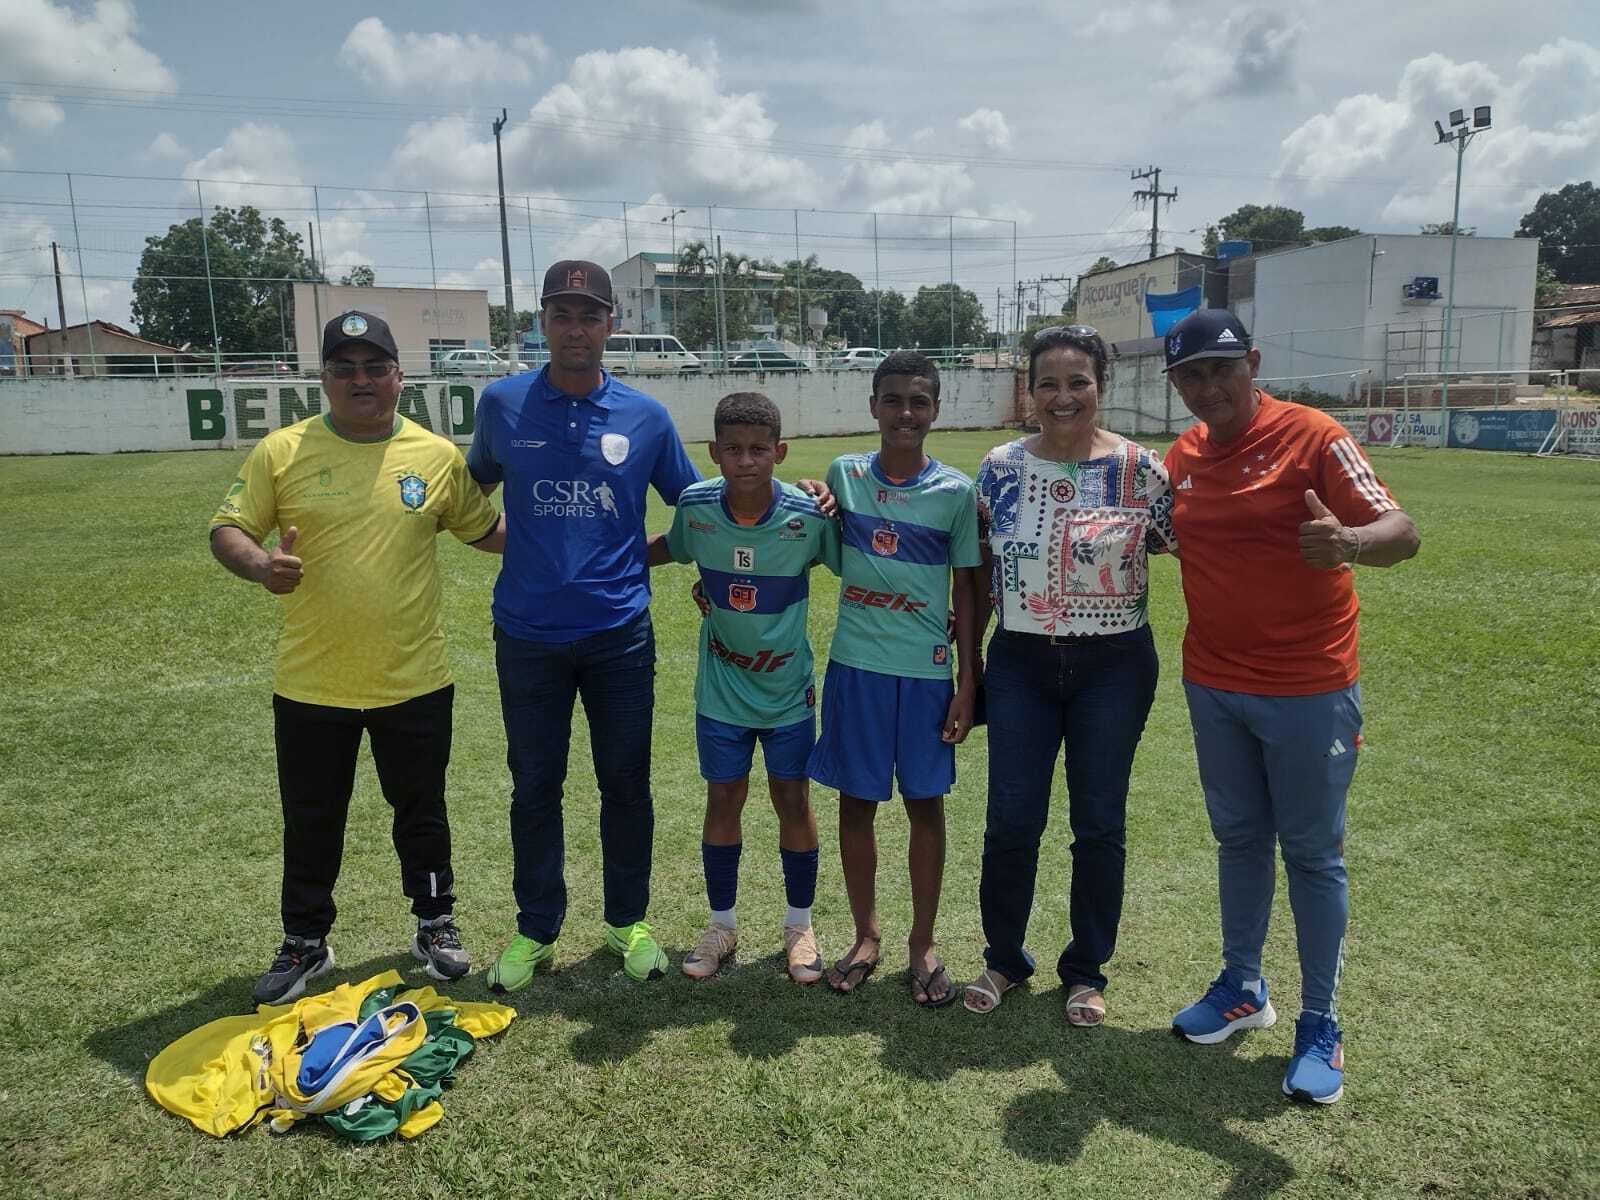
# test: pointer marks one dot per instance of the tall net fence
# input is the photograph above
(216, 274)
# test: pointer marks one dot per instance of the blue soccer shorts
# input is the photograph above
(880, 728)
(726, 751)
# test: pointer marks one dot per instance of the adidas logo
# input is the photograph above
(1187, 484)
(1338, 748)
(1226, 336)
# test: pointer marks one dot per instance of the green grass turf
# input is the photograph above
(141, 850)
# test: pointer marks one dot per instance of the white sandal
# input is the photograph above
(991, 985)
(1076, 1003)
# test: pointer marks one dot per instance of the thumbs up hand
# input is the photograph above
(1325, 541)
(283, 568)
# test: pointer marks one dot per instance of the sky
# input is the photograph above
(904, 142)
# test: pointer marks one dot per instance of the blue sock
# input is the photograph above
(799, 877)
(722, 874)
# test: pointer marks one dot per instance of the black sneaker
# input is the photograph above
(297, 964)
(438, 947)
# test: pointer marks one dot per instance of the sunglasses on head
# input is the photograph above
(381, 369)
(1077, 331)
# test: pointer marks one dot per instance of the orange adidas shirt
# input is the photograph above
(1261, 620)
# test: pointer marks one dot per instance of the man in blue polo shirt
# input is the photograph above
(577, 450)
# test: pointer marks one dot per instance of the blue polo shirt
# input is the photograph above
(575, 470)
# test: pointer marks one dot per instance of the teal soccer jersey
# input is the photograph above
(755, 658)
(900, 541)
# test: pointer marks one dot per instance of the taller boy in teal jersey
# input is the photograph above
(755, 540)
(910, 531)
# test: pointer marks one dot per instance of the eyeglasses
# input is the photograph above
(1078, 331)
(381, 369)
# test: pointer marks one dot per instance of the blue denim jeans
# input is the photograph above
(1089, 696)
(1276, 771)
(614, 672)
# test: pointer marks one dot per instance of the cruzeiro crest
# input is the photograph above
(413, 491)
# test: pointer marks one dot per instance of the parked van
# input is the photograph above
(647, 354)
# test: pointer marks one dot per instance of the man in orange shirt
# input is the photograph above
(1274, 503)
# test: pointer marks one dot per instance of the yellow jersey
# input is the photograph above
(362, 630)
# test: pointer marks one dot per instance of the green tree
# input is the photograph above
(696, 322)
(1442, 229)
(253, 262)
(929, 322)
(1567, 224)
(885, 315)
(1547, 287)
(497, 323)
(1331, 233)
(1266, 227)
(360, 276)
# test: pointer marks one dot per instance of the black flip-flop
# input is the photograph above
(925, 982)
(854, 973)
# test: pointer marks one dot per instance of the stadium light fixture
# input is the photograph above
(1458, 136)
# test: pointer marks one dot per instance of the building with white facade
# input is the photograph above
(646, 284)
(1340, 317)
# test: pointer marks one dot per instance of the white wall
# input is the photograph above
(1329, 308)
(102, 416)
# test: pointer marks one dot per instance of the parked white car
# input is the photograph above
(477, 362)
(857, 358)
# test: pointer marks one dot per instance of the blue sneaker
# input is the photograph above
(1223, 1009)
(1316, 1072)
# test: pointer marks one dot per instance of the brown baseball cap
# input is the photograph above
(575, 277)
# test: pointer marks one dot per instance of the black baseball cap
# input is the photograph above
(356, 326)
(575, 277)
(1207, 333)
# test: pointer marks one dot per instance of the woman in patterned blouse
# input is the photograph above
(1066, 517)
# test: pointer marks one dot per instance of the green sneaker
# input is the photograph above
(517, 962)
(642, 958)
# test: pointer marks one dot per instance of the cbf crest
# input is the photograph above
(413, 491)
(885, 541)
(742, 597)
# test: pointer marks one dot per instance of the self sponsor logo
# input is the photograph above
(893, 601)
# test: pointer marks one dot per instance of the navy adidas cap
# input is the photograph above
(1207, 333)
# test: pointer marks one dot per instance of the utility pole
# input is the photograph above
(316, 289)
(61, 305)
(1155, 195)
(505, 250)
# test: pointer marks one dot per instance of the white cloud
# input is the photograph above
(6, 156)
(988, 125)
(166, 145)
(400, 62)
(621, 115)
(47, 43)
(250, 156)
(877, 180)
(1250, 54)
(37, 114)
(1546, 133)
(1114, 21)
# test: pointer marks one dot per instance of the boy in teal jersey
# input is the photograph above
(909, 558)
(754, 540)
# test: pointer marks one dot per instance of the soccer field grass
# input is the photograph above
(141, 845)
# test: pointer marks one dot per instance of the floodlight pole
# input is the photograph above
(672, 217)
(505, 250)
(1460, 136)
